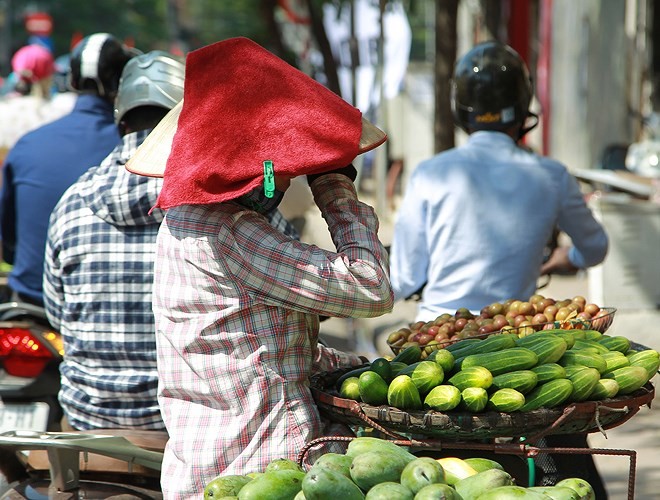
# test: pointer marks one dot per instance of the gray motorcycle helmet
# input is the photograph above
(151, 79)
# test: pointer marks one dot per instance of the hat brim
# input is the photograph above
(150, 158)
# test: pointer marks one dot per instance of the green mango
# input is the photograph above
(422, 472)
(580, 486)
(274, 485)
(320, 483)
(437, 491)
(557, 492)
(511, 493)
(389, 491)
(366, 444)
(283, 464)
(481, 464)
(369, 469)
(225, 486)
(473, 486)
(336, 462)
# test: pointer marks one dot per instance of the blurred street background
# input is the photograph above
(595, 65)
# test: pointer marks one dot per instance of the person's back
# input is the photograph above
(47, 160)
(475, 220)
(98, 270)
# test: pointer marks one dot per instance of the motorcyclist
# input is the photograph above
(28, 104)
(47, 160)
(98, 271)
(475, 219)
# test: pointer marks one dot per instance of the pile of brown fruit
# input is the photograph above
(522, 317)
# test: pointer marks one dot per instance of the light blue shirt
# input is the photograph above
(474, 222)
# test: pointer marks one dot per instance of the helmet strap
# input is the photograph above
(524, 129)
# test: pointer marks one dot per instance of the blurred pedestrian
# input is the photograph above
(47, 160)
(28, 104)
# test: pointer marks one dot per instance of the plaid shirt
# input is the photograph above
(97, 289)
(236, 305)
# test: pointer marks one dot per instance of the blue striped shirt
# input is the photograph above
(97, 289)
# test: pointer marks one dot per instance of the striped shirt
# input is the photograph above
(98, 282)
(236, 305)
(98, 279)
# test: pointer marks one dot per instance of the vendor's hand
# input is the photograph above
(349, 171)
(558, 263)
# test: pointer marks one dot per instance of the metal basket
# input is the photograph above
(584, 417)
(600, 324)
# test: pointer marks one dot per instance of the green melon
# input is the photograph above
(349, 389)
(426, 376)
(443, 398)
(474, 399)
(403, 394)
(372, 388)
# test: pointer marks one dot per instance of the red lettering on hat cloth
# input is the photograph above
(243, 105)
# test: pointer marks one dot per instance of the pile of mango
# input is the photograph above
(376, 469)
(505, 372)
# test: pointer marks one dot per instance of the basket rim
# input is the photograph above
(467, 425)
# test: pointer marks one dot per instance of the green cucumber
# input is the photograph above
(584, 382)
(508, 360)
(617, 343)
(474, 376)
(506, 400)
(548, 371)
(630, 378)
(578, 357)
(409, 355)
(548, 395)
(356, 372)
(521, 380)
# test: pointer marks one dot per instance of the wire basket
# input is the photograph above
(600, 324)
(584, 417)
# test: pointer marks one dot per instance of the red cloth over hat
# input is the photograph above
(33, 63)
(242, 105)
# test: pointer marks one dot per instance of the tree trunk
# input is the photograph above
(318, 31)
(445, 50)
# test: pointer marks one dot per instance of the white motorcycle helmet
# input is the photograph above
(151, 79)
(96, 64)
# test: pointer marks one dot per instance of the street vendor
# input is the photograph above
(236, 301)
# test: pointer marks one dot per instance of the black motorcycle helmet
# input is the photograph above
(96, 64)
(491, 89)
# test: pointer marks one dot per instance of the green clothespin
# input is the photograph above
(269, 179)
